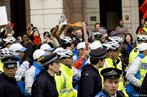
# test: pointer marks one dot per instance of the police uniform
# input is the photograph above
(90, 83)
(8, 85)
(45, 85)
(110, 73)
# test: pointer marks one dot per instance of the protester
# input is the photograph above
(126, 47)
(121, 30)
(34, 70)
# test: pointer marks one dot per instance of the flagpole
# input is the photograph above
(85, 35)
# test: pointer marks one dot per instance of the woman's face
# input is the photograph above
(25, 38)
(36, 33)
(128, 38)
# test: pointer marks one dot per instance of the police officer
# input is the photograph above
(90, 83)
(45, 85)
(8, 85)
(111, 80)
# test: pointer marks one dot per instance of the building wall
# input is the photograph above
(91, 13)
(45, 14)
(130, 8)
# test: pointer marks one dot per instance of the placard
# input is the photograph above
(3, 16)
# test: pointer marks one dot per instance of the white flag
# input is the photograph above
(63, 20)
(3, 16)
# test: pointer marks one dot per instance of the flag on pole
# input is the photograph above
(11, 25)
(143, 9)
(85, 35)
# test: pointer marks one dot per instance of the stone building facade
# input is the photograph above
(45, 13)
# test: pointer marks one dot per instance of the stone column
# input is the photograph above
(73, 9)
(91, 12)
(130, 15)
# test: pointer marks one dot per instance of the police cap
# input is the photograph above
(9, 61)
(49, 59)
(98, 53)
(111, 73)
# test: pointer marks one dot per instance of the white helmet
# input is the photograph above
(66, 39)
(6, 52)
(111, 45)
(94, 45)
(116, 38)
(65, 53)
(142, 37)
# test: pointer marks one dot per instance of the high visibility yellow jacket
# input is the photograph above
(143, 69)
(1, 66)
(134, 53)
(64, 82)
(145, 29)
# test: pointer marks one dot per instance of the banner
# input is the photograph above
(143, 9)
(3, 16)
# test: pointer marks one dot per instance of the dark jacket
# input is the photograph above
(103, 93)
(44, 86)
(126, 48)
(8, 87)
(143, 90)
(90, 83)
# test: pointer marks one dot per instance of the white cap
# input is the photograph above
(17, 47)
(81, 45)
(94, 45)
(142, 47)
(38, 53)
(46, 47)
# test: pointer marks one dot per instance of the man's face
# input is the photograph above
(111, 86)
(10, 72)
(21, 54)
(97, 27)
(69, 61)
(101, 63)
(114, 54)
(55, 67)
(79, 33)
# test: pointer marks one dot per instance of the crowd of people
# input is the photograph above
(61, 65)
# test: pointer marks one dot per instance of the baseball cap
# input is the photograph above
(38, 53)
(81, 45)
(17, 47)
(46, 47)
(94, 45)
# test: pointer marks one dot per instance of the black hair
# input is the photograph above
(46, 32)
(95, 60)
(130, 37)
